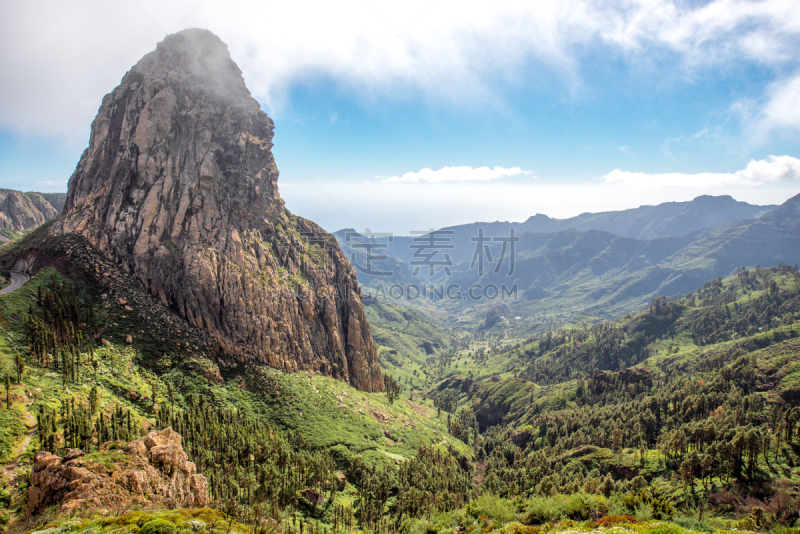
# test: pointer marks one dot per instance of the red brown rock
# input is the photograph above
(179, 186)
(313, 496)
(22, 211)
(153, 470)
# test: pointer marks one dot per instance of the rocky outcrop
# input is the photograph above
(23, 211)
(153, 470)
(179, 186)
(313, 496)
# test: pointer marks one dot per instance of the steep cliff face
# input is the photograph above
(22, 211)
(179, 186)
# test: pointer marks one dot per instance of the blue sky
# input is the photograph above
(514, 108)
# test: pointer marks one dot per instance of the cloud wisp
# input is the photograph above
(773, 170)
(457, 174)
(57, 68)
(782, 110)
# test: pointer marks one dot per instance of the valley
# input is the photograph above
(185, 355)
(543, 416)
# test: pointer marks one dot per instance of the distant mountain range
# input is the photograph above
(669, 219)
(650, 222)
(604, 263)
(22, 211)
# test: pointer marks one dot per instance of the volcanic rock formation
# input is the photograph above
(23, 211)
(179, 186)
(151, 470)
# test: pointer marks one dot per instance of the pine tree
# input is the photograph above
(93, 399)
(19, 363)
(95, 363)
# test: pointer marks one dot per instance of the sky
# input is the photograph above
(405, 116)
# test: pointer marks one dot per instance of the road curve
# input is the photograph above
(17, 281)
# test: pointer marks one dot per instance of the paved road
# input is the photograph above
(17, 281)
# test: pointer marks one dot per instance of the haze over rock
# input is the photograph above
(179, 186)
(23, 211)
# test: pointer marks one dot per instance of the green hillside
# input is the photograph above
(84, 382)
(680, 417)
(581, 274)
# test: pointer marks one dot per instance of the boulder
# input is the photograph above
(313, 496)
(154, 471)
(341, 481)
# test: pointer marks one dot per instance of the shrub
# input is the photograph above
(342, 456)
(492, 507)
(666, 528)
(158, 526)
(544, 509)
(579, 506)
(416, 526)
(644, 501)
(746, 524)
(582, 506)
(643, 511)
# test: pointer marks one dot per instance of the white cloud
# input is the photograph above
(52, 185)
(773, 170)
(56, 67)
(374, 205)
(456, 174)
(764, 32)
(782, 110)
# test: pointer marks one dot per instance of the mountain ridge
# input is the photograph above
(573, 272)
(179, 186)
(24, 211)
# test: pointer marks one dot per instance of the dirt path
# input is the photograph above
(11, 469)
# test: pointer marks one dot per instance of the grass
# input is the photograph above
(182, 520)
(12, 421)
(486, 514)
(108, 460)
(623, 527)
(328, 412)
(166, 350)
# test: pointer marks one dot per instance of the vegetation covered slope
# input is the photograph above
(101, 359)
(572, 275)
(691, 404)
(680, 417)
